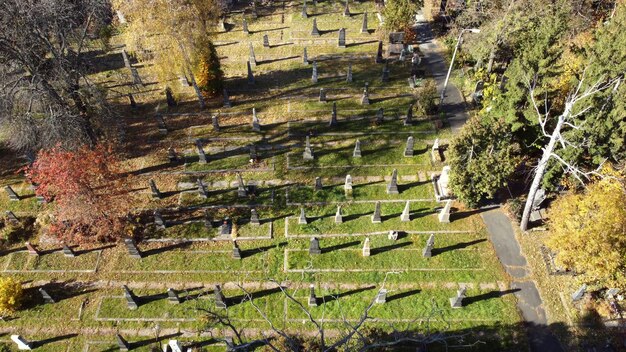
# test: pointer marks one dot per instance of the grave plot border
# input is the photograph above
(366, 201)
(289, 167)
(356, 134)
(216, 238)
(10, 257)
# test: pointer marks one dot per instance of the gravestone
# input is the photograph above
(220, 300)
(31, 249)
(131, 246)
(392, 187)
(11, 217)
(241, 188)
(308, 151)
(46, 296)
(131, 101)
(322, 95)
(364, 25)
(305, 57)
(253, 154)
(444, 214)
(256, 124)
(385, 77)
(376, 216)
(380, 115)
(312, 298)
(250, 75)
(172, 296)
(252, 57)
(175, 346)
(161, 124)
(202, 191)
(236, 251)
(535, 214)
(302, 219)
(478, 92)
(227, 227)
(227, 103)
(266, 41)
(347, 186)
(349, 74)
(379, 53)
(208, 221)
(304, 14)
(457, 302)
(315, 32)
(158, 220)
(68, 252)
(346, 10)
(155, 191)
(381, 297)
(314, 246)
(409, 116)
(136, 78)
(434, 151)
(411, 82)
(333, 116)
(21, 343)
(427, 252)
(406, 213)
(338, 216)
(365, 99)
(215, 122)
(402, 55)
(171, 155)
(169, 97)
(366, 247)
(245, 26)
(130, 298)
(392, 235)
(408, 151)
(356, 153)
(314, 74)
(11, 193)
(222, 24)
(253, 10)
(578, 295)
(318, 184)
(442, 182)
(202, 159)
(341, 42)
(254, 217)
(126, 60)
(122, 343)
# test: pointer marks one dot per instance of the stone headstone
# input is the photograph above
(365, 99)
(364, 25)
(379, 53)
(434, 151)
(31, 249)
(175, 346)
(158, 220)
(376, 216)
(169, 97)
(478, 92)
(254, 217)
(305, 57)
(308, 151)
(315, 32)
(381, 297)
(250, 75)
(68, 252)
(202, 159)
(302, 218)
(380, 115)
(402, 55)
(46, 296)
(314, 246)
(392, 235)
(304, 14)
(578, 295)
(131, 301)
(341, 42)
(172, 296)
(227, 103)
(366, 247)
(227, 227)
(392, 187)
(443, 181)
(314, 74)
(338, 216)
(349, 74)
(457, 302)
(11, 217)
(126, 60)
(348, 183)
(312, 298)
(266, 41)
(241, 188)
(202, 191)
(333, 115)
(346, 10)
(251, 56)
(253, 10)
(21, 343)
(222, 24)
(409, 116)
(322, 95)
(318, 184)
(131, 246)
(131, 101)
(245, 26)
(236, 251)
(411, 82)
(155, 191)
(220, 300)
(406, 213)
(385, 77)
(11, 193)
(356, 153)
(256, 124)
(161, 124)
(410, 143)
(444, 214)
(208, 221)
(427, 252)
(122, 343)
(215, 122)
(172, 157)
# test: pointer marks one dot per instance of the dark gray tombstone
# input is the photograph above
(322, 95)
(457, 302)
(254, 217)
(172, 157)
(161, 124)
(215, 122)
(227, 103)
(314, 73)
(169, 97)
(376, 216)
(227, 227)
(251, 56)
(11, 193)
(580, 293)
(392, 187)
(379, 53)
(131, 246)
(308, 151)
(366, 251)
(236, 251)
(172, 296)
(411, 82)
(158, 220)
(136, 78)
(11, 217)
(131, 101)
(208, 221)
(253, 10)
(406, 213)
(380, 115)
(250, 75)
(338, 216)
(409, 116)
(315, 32)
(346, 10)
(333, 116)
(342, 38)
(68, 252)
(266, 41)
(314, 246)
(364, 25)
(408, 151)
(256, 124)
(305, 57)
(365, 99)
(385, 77)
(253, 153)
(131, 301)
(302, 218)
(318, 184)
(356, 153)
(155, 191)
(202, 159)
(312, 298)
(241, 188)
(202, 191)
(46, 296)
(349, 74)
(220, 300)
(304, 14)
(31, 249)
(245, 26)
(381, 297)
(122, 343)
(427, 252)
(126, 60)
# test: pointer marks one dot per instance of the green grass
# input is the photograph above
(22, 261)
(370, 191)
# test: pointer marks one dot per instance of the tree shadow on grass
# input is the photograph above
(437, 251)
(379, 250)
(340, 246)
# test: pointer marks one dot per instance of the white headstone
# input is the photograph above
(444, 180)
(444, 214)
(22, 344)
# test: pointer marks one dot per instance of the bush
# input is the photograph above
(11, 295)
(209, 72)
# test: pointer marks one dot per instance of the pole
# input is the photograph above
(445, 84)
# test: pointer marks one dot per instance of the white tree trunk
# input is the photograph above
(197, 89)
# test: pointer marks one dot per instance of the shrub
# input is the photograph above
(11, 294)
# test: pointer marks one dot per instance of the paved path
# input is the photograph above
(454, 103)
(528, 300)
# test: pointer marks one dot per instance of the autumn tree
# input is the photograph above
(588, 231)
(11, 294)
(89, 192)
(208, 70)
(399, 14)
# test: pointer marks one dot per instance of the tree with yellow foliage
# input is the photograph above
(588, 231)
(10, 295)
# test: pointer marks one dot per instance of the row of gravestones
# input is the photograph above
(243, 191)
(308, 154)
(14, 197)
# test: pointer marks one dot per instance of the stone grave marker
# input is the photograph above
(250, 75)
(341, 42)
(411, 82)
(333, 116)
(408, 151)
(169, 97)
(305, 57)
(380, 115)
(376, 216)
(222, 24)
(241, 188)
(11, 193)
(338, 216)
(227, 227)
(175, 346)
(158, 220)
(406, 213)
(46, 296)
(314, 74)
(208, 221)
(308, 151)
(578, 295)
(315, 32)
(252, 57)
(442, 182)
(444, 214)
(347, 186)
(392, 187)
(131, 246)
(236, 251)
(385, 77)
(478, 92)
(22, 344)
(215, 122)
(171, 155)
(227, 103)
(68, 252)
(318, 184)
(172, 296)
(427, 252)
(202, 159)
(392, 235)
(131, 101)
(314, 246)
(434, 151)
(381, 297)
(365, 99)
(457, 301)
(322, 95)
(304, 14)
(349, 74)
(11, 217)
(202, 191)
(253, 10)
(122, 343)
(245, 26)
(31, 249)
(253, 154)
(256, 124)
(266, 41)
(402, 55)
(131, 301)
(346, 10)
(409, 116)
(302, 218)
(312, 298)
(155, 190)
(364, 25)
(220, 300)
(366, 247)
(126, 60)
(356, 153)
(161, 124)
(379, 53)
(254, 217)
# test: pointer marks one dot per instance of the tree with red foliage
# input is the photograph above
(89, 192)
